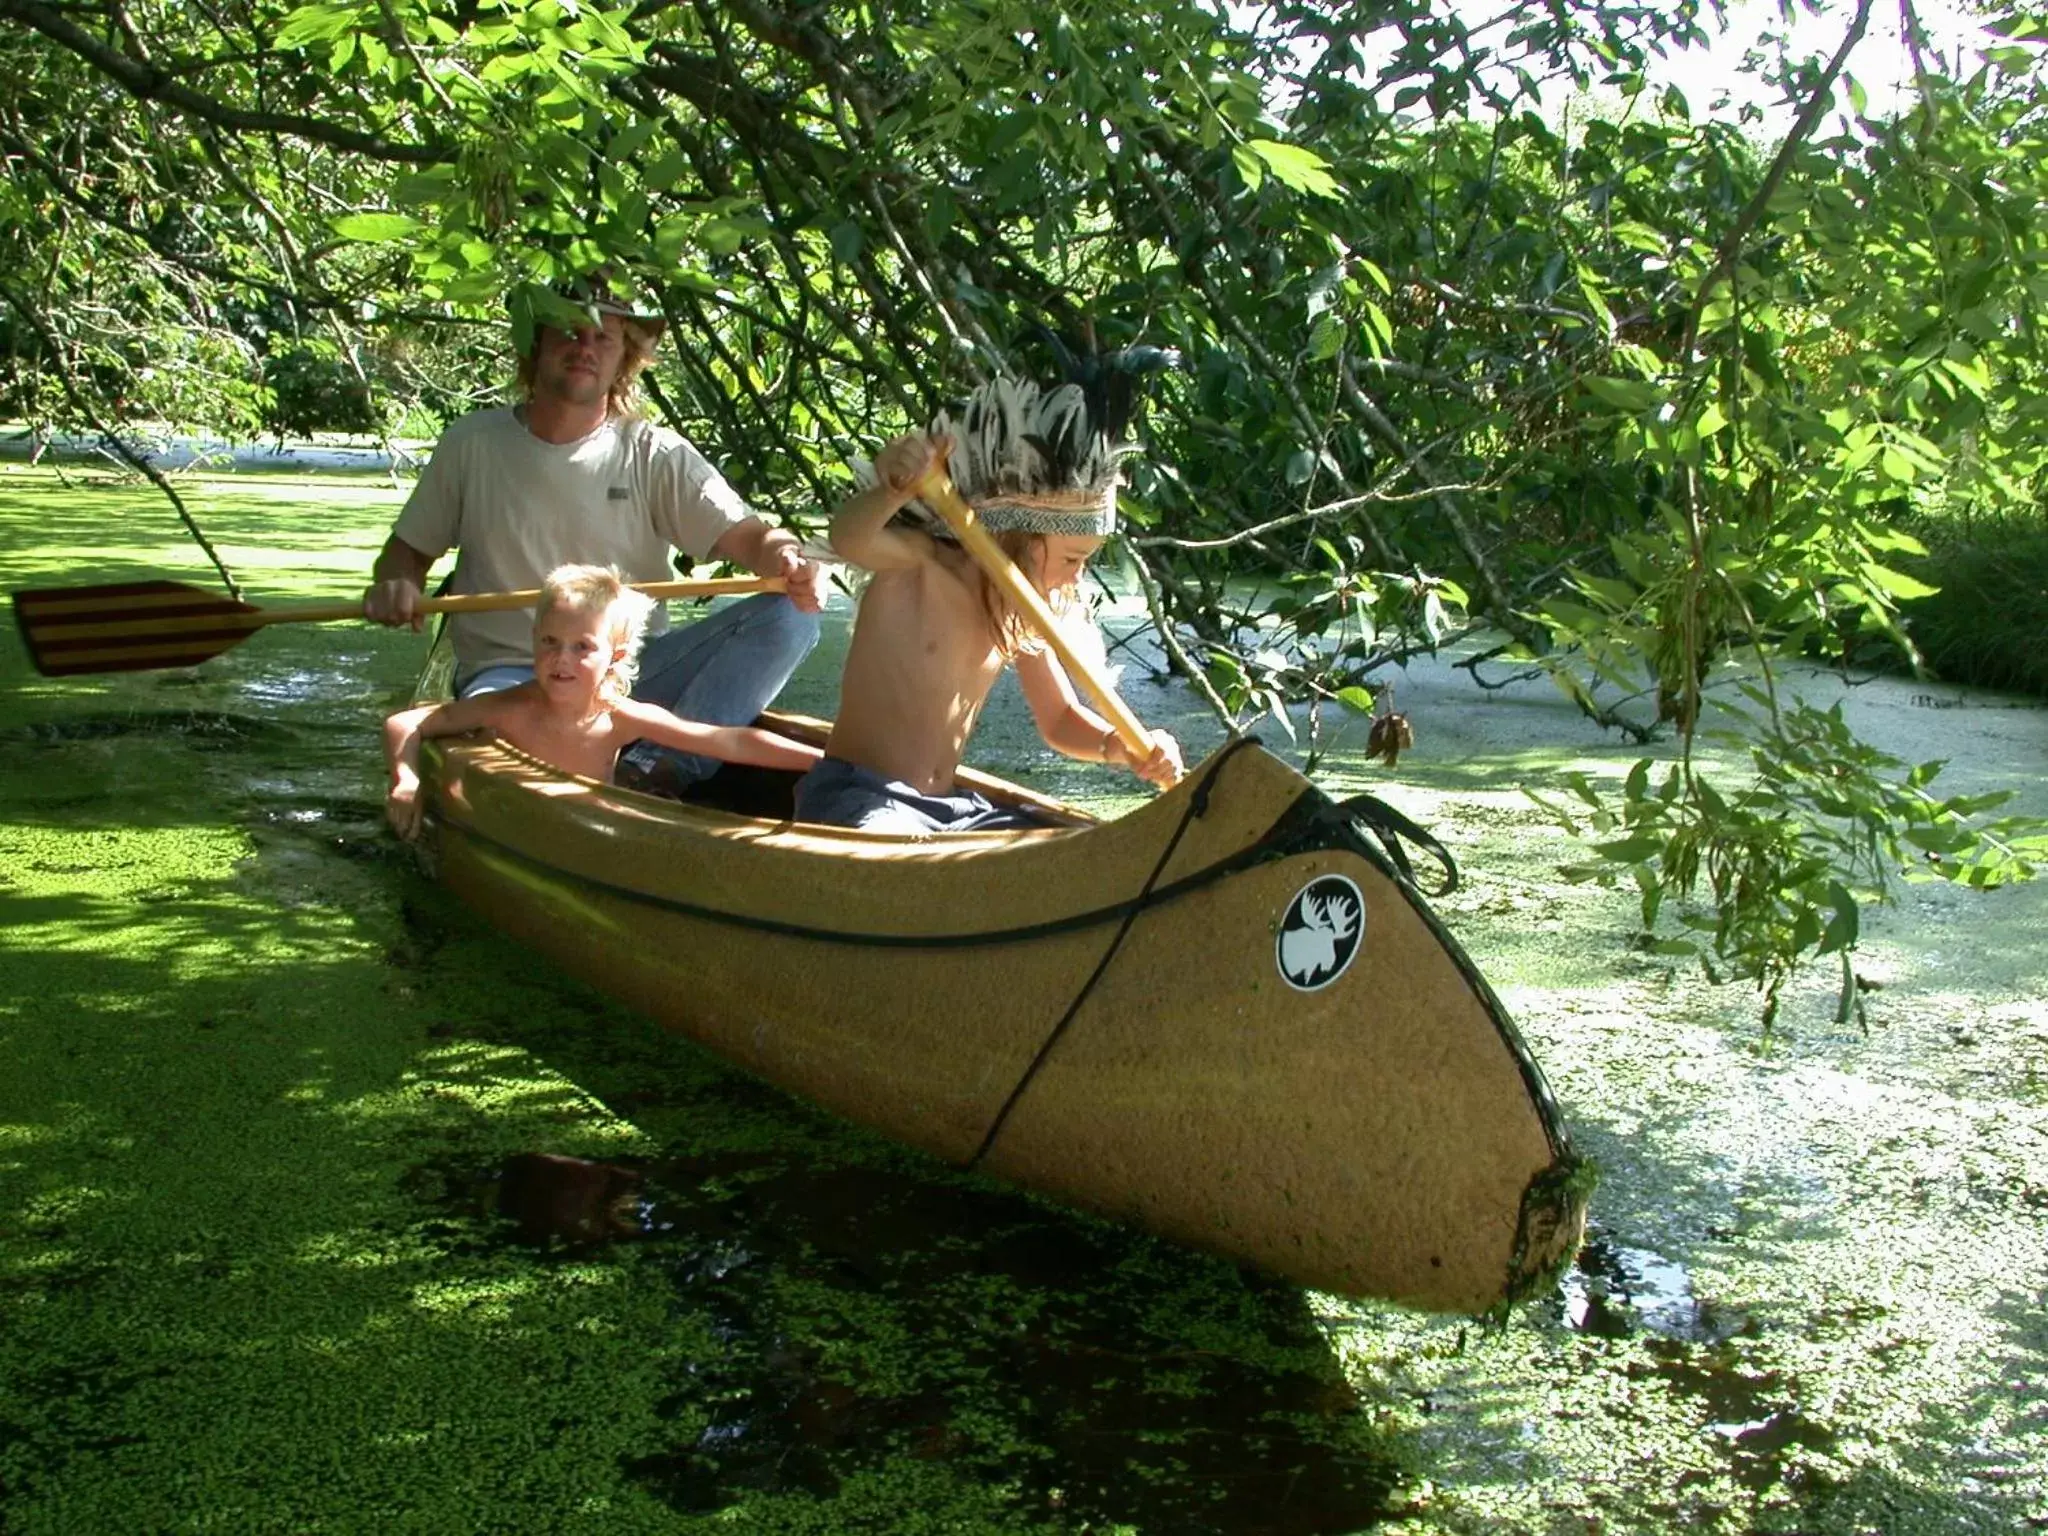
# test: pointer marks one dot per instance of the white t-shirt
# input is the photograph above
(515, 507)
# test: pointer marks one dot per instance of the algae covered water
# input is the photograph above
(321, 1206)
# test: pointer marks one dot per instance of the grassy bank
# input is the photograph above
(1988, 625)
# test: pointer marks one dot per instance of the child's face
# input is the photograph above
(572, 651)
(1060, 559)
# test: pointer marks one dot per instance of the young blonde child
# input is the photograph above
(576, 714)
(933, 632)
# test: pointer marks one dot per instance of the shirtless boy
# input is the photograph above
(576, 714)
(933, 633)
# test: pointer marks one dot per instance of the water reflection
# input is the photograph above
(1614, 1290)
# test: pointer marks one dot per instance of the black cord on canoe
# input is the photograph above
(1198, 804)
(1388, 827)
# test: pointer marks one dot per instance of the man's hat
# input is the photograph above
(610, 292)
(601, 292)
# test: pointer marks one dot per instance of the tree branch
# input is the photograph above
(145, 82)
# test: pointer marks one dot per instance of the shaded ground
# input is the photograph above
(321, 1207)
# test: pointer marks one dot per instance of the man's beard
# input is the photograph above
(575, 388)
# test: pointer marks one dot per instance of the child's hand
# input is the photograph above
(402, 806)
(903, 465)
(1162, 766)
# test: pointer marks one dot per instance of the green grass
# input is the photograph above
(1988, 625)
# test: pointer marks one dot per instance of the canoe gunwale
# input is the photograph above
(1309, 826)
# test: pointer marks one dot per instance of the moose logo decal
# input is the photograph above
(1321, 932)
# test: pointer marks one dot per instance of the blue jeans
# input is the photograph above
(722, 670)
(842, 794)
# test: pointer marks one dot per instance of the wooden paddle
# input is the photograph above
(133, 626)
(937, 491)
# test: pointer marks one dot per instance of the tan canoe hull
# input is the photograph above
(1371, 1126)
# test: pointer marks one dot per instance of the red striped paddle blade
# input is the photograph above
(129, 627)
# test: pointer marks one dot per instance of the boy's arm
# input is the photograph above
(727, 743)
(403, 733)
(860, 528)
(1074, 730)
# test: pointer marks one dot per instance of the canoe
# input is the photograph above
(1229, 1017)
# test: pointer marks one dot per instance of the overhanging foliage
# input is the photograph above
(1616, 384)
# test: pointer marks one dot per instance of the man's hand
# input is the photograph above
(393, 596)
(800, 577)
(393, 602)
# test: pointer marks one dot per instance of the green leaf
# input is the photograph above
(422, 189)
(2018, 25)
(376, 228)
(314, 23)
(1630, 850)
(1842, 925)
(1628, 394)
(1302, 169)
(1355, 698)
(632, 139)
(1249, 167)
(1326, 338)
(1379, 331)
(1897, 583)
(670, 168)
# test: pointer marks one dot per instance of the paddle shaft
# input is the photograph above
(500, 602)
(938, 492)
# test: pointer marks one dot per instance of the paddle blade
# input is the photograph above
(128, 627)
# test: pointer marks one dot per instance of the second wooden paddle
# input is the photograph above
(135, 626)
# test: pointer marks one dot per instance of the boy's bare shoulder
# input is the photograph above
(638, 712)
(504, 712)
(946, 566)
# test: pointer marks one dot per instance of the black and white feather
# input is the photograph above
(1044, 459)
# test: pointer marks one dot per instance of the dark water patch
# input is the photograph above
(310, 849)
(551, 1200)
(200, 728)
(351, 826)
(1613, 1290)
(864, 1318)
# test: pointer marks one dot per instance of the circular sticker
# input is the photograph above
(1324, 925)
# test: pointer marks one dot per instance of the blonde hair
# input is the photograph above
(1013, 632)
(599, 591)
(623, 397)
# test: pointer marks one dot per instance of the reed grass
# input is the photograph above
(1987, 626)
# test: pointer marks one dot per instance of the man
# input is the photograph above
(573, 476)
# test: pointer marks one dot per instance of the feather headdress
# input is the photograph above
(1045, 459)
